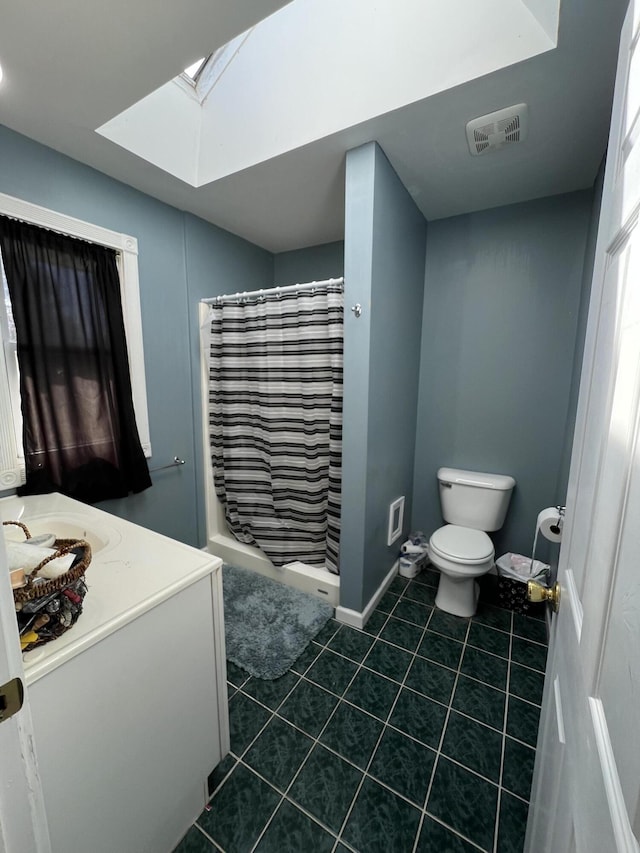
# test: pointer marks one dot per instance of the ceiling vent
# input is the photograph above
(495, 130)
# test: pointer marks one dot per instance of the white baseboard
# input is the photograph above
(357, 619)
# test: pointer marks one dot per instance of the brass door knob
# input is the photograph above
(11, 698)
(536, 593)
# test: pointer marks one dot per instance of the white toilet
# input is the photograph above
(472, 503)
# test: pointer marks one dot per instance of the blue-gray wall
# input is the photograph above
(497, 381)
(312, 264)
(552, 552)
(583, 311)
(501, 311)
(216, 262)
(180, 259)
(384, 272)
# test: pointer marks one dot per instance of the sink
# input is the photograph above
(100, 535)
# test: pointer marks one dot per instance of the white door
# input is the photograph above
(586, 794)
(23, 825)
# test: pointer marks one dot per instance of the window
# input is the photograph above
(200, 78)
(8, 334)
(11, 457)
(193, 71)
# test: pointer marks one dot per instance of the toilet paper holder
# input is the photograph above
(550, 523)
(557, 528)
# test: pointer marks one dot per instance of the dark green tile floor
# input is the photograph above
(415, 735)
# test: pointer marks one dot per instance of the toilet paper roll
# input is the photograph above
(409, 548)
(549, 524)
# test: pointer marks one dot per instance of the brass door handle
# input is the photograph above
(11, 698)
(536, 593)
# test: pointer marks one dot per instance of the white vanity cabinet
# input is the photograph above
(129, 706)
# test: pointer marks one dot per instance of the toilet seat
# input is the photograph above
(462, 545)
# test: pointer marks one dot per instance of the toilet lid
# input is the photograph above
(462, 543)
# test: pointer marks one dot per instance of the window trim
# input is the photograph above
(12, 469)
(212, 68)
(10, 352)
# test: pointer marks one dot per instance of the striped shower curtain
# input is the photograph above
(275, 420)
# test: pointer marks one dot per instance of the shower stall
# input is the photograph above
(271, 377)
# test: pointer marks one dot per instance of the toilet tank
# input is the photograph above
(472, 499)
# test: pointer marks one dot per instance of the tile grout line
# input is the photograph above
(509, 633)
(239, 756)
(406, 734)
(324, 826)
(384, 727)
(273, 713)
(395, 681)
(343, 698)
(283, 796)
(399, 731)
(455, 832)
(430, 660)
(364, 773)
(380, 782)
(465, 644)
(496, 829)
(316, 740)
(387, 725)
(441, 742)
(209, 838)
(375, 637)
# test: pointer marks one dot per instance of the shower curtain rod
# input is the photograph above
(288, 288)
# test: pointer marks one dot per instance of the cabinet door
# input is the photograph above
(145, 736)
(23, 824)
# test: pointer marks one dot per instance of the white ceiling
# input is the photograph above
(74, 66)
(282, 89)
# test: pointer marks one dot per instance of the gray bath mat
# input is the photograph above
(268, 624)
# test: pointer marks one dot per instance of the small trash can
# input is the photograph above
(411, 566)
(413, 555)
(514, 573)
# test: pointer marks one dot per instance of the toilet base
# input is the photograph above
(458, 596)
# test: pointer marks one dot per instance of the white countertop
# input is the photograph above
(132, 570)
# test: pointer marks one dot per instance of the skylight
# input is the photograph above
(296, 77)
(194, 70)
(205, 73)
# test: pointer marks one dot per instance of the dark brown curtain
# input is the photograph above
(80, 436)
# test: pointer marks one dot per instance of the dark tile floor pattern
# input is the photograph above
(414, 735)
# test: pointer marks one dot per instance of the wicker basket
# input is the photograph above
(46, 609)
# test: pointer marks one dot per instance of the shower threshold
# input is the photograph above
(314, 580)
(311, 579)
